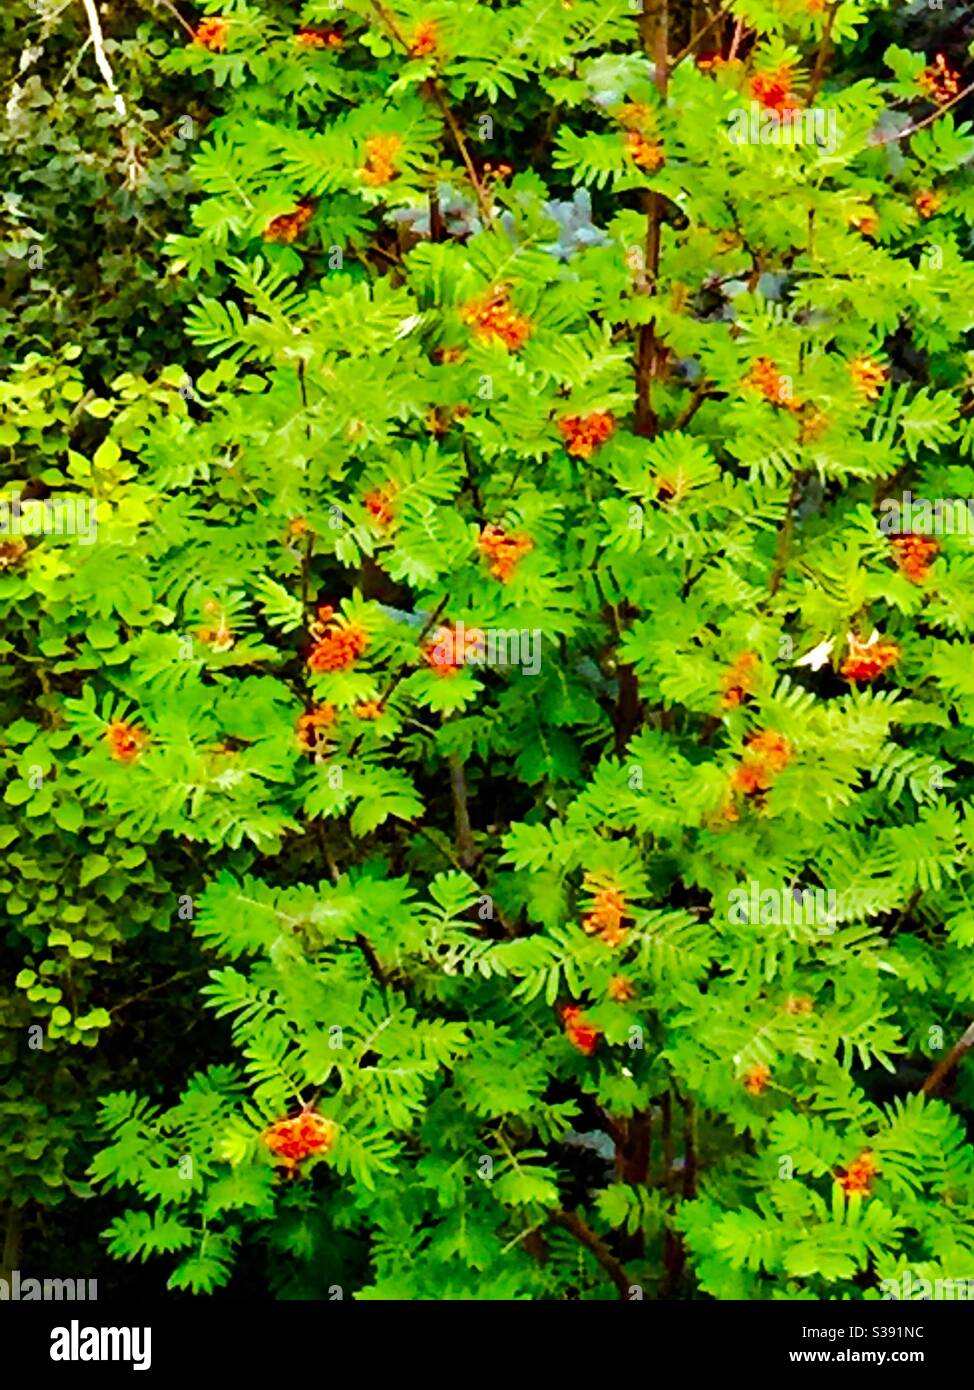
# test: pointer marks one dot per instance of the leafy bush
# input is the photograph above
(477, 655)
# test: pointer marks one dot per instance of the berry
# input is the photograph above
(503, 551)
(584, 433)
(303, 1136)
(856, 1180)
(212, 33)
(492, 318)
(125, 741)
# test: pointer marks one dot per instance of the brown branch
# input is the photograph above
(824, 50)
(437, 226)
(466, 848)
(914, 898)
(362, 942)
(704, 29)
(928, 120)
(666, 1107)
(483, 202)
(650, 353)
(689, 1150)
(154, 989)
(432, 87)
(785, 536)
(173, 11)
(587, 1237)
(372, 960)
(943, 1069)
(10, 1259)
(401, 673)
(701, 394)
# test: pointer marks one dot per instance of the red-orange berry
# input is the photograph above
(300, 1137)
(580, 1034)
(856, 1180)
(502, 551)
(212, 33)
(584, 433)
(125, 741)
(493, 318)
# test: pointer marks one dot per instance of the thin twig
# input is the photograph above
(943, 1069)
(824, 49)
(584, 1233)
(785, 536)
(928, 120)
(104, 67)
(461, 813)
(693, 405)
(401, 673)
(154, 989)
(714, 19)
(173, 11)
(434, 89)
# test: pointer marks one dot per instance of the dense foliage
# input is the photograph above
(489, 618)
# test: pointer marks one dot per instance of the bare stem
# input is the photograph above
(943, 1069)
(584, 1233)
(104, 67)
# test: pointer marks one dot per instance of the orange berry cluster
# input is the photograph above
(337, 643)
(868, 377)
(503, 551)
(737, 681)
(865, 222)
(773, 89)
(914, 555)
(125, 741)
(212, 33)
(607, 917)
(867, 660)
(856, 1180)
(220, 635)
(766, 754)
(643, 151)
(369, 709)
(621, 990)
(492, 317)
(311, 726)
(220, 638)
(380, 160)
(497, 171)
(940, 81)
(378, 503)
(446, 650)
(642, 148)
(290, 225)
(318, 38)
(711, 61)
(765, 377)
(425, 39)
(12, 552)
(756, 1080)
(584, 433)
(300, 1137)
(580, 1034)
(448, 355)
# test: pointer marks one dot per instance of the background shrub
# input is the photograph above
(489, 328)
